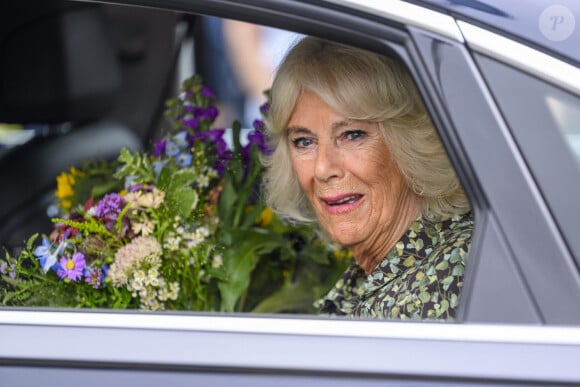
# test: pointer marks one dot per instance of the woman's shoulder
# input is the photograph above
(453, 231)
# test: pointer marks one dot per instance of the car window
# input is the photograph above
(231, 252)
(565, 110)
(543, 119)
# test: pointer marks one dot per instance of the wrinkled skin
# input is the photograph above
(347, 172)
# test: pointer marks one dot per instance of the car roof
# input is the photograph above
(549, 26)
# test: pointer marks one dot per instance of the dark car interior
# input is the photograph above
(88, 92)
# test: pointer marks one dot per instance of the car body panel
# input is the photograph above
(201, 343)
(537, 23)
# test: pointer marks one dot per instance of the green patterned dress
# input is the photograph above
(420, 278)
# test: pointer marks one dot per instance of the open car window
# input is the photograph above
(172, 218)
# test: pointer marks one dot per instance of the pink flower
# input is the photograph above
(142, 250)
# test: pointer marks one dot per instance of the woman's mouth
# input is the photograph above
(342, 204)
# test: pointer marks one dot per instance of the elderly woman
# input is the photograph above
(355, 151)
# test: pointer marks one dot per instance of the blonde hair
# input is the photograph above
(359, 85)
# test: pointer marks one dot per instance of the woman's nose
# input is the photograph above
(328, 162)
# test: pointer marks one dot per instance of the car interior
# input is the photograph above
(90, 79)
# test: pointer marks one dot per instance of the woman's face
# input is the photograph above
(347, 172)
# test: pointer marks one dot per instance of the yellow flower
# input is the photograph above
(65, 186)
(342, 254)
(265, 217)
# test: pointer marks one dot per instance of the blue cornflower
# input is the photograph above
(181, 139)
(157, 166)
(171, 149)
(47, 253)
(3, 267)
(184, 160)
(129, 181)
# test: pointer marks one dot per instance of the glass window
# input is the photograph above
(172, 214)
(544, 121)
(565, 110)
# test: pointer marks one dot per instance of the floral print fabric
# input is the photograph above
(420, 278)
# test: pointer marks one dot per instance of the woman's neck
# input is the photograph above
(369, 255)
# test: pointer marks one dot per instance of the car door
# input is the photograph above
(508, 330)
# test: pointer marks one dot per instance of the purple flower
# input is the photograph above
(207, 92)
(257, 137)
(3, 267)
(187, 95)
(96, 276)
(110, 204)
(190, 140)
(197, 111)
(159, 148)
(72, 268)
(258, 125)
(214, 135)
(211, 113)
(108, 208)
(205, 114)
(191, 123)
(265, 108)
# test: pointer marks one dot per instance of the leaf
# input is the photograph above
(135, 164)
(294, 298)
(227, 203)
(181, 198)
(409, 261)
(442, 266)
(424, 297)
(251, 216)
(30, 241)
(181, 201)
(240, 259)
(457, 271)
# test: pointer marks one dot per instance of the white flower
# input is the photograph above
(153, 273)
(140, 275)
(154, 281)
(91, 212)
(136, 285)
(172, 243)
(203, 232)
(217, 261)
(163, 294)
(203, 181)
(211, 173)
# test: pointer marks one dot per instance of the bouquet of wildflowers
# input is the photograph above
(180, 228)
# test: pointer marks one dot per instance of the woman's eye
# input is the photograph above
(352, 135)
(302, 142)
